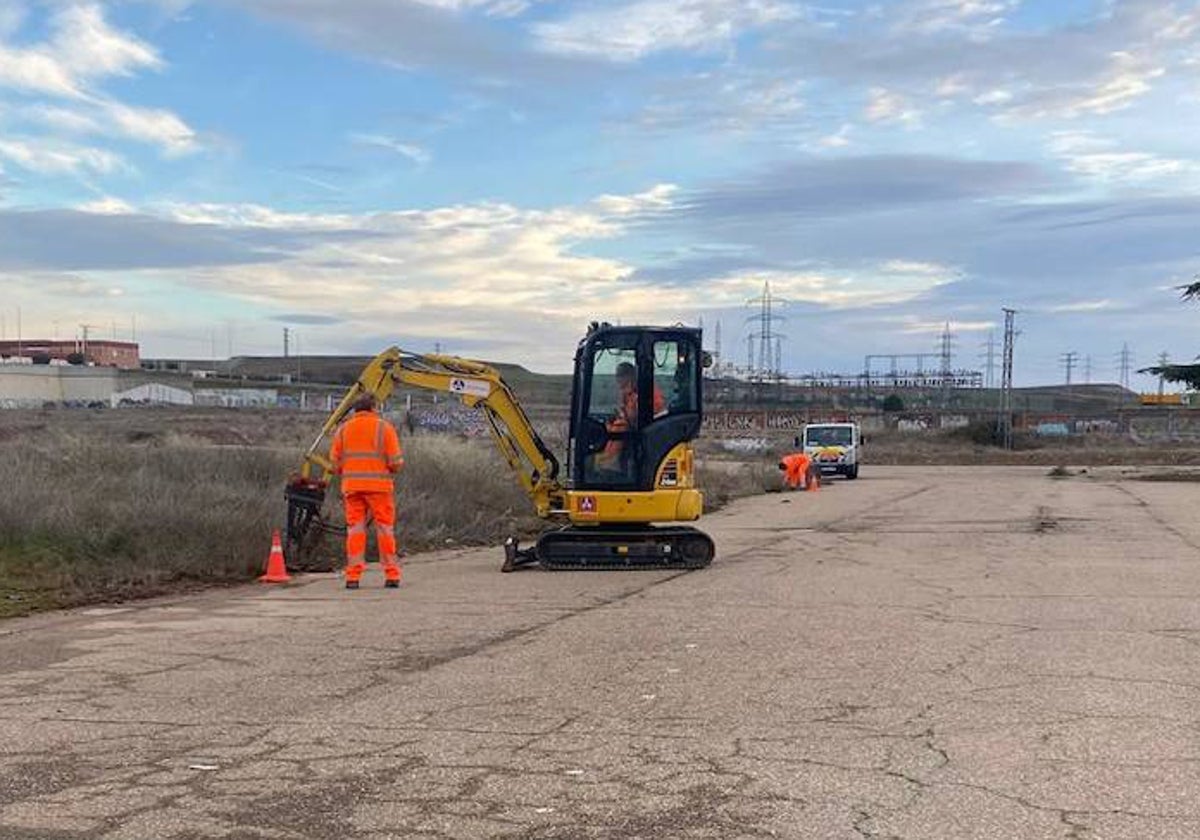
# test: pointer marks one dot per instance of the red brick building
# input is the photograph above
(118, 354)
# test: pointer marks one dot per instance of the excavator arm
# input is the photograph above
(478, 385)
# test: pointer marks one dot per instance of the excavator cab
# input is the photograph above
(636, 397)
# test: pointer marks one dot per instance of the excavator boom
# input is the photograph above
(478, 385)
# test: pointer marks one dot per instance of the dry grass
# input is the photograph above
(113, 506)
(80, 521)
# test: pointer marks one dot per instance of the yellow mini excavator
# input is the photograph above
(636, 407)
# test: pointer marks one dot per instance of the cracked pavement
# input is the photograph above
(924, 653)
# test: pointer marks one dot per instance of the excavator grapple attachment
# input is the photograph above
(306, 525)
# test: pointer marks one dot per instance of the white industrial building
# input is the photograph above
(32, 386)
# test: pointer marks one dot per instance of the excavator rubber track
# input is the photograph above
(609, 548)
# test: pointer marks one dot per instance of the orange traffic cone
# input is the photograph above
(276, 568)
(813, 481)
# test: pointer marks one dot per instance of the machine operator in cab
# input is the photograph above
(625, 417)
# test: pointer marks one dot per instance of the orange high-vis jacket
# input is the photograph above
(366, 453)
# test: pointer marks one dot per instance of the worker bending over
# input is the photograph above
(798, 470)
(366, 455)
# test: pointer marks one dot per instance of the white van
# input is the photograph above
(834, 447)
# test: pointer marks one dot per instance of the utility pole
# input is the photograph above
(1163, 360)
(1006, 378)
(946, 352)
(19, 348)
(286, 338)
(989, 356)
(750, 355)
(717, 351)
(1126, 362)
(1087, 370)
(1068, 360)
(85, 328)
(766, 318)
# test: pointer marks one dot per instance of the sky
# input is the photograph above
(489, 176)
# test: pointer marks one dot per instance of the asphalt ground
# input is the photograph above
(922, 653)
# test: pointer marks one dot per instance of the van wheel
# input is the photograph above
(852, 472)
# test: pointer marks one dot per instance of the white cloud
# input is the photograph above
(916, 327)
(1082, 306)
(975, 16)
(728, 100)
(885, 106)
(417, 154)
(952, 86)
(81, 50)
(656, 199)
(1100, 159)
(89, 48)
(839, 139)
(36, 72)
(997, 96)
(151, 125)
(1127, 79)
(633, 30)
(108, 118)
(55, 158)
(106, 206)
(457, 271)
(889, 282)
(495, 8)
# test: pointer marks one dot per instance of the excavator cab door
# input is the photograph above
(636, 395)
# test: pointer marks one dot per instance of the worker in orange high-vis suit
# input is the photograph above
(366, 455)
(797, 470)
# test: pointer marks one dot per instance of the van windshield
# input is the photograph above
(828, 436)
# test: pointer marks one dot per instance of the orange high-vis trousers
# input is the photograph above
(382, 509)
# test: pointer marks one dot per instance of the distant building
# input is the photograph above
(118, 354)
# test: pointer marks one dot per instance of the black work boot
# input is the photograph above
(352, 584)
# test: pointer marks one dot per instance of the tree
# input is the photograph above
(1187, 374)
(892, 402)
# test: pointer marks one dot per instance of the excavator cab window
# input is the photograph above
(637, 395)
